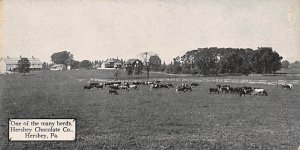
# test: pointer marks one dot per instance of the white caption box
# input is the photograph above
(42, 129)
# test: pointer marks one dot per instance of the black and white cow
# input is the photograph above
(170, 85)
(133, 87)
(287, 86)
(163, 86)
(183, 89)
(123, 87)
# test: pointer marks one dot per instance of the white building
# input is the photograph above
(58, 67)
(11, 63)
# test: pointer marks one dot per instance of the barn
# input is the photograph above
(11, 63)
(112, 63)
(35, 63)
(133, 63)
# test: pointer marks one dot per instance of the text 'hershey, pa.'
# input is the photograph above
(42, 129)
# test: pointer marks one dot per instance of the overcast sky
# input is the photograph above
(100, 29)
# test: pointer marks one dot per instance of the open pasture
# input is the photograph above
(151, 119)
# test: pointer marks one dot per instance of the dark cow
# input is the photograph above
(183, 89)
(99, 86)
(163, 86)
(248, 89)
(242, 92)
(108, 83)
(213, 90)
(113, 92)
(87, 87)
(157, 81)
(194, 84)
(136, 83)
(94, 84)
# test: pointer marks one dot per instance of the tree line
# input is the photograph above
(215, 60)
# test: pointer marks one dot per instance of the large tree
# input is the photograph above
(86, 64)
(63, 57)
(23, 65)
(154, 63)
(267, 60)
(285, 64)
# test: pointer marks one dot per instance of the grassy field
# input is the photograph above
(157, 119)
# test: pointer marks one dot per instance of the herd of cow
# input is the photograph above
(245, 90)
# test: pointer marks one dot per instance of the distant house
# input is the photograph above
(58, 67)
(112, 63)
(35, 63)
(133, 63)
(11, 63)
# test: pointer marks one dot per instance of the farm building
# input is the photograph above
(35, 63)
(58, 67)
(133, 63)
(112, 63)
(11, 63)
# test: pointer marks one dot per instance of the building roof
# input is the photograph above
(130, 61)
(113, 60)
(14, 60)
(35, 61)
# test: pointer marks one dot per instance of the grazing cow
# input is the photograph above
(213, 90)
(94, 84)
(183, 89)
(184, 85)
(242, 92)
(115, 84)
(133, 87)
(154, 86)
(126, 84)
(248, 89)
(287, 86)
(123, 87)
(163, 86)
(194, 84)
(170, 85)
(113, 92)
(225, 88)
(136, 83)
(99, 86)
(108, 83)
(87, 87)
(149, 83)
(259, 91)
(157, 81)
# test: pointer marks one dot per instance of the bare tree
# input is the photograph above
(145, 56)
